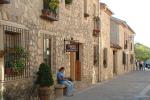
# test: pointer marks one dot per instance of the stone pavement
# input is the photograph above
(131, 86)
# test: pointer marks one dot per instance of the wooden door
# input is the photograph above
(72, 65)
(78, 71)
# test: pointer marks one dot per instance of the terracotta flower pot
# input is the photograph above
(8, 71)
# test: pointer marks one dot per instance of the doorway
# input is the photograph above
(115, 62)
(75, 65)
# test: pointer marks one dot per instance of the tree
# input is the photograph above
(142, 52)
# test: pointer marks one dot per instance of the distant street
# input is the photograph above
(131, 86)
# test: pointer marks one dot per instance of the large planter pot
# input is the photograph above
(45, 93)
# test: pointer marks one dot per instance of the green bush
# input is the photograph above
(44, 77)
(68, 1)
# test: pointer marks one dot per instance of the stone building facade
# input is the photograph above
(122, 37)
(22, 23)
(105, 61)
(116, 45)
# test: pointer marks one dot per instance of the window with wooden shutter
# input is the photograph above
(124, 58)
(131, 46)
(105, 57)
(131, 59)
(96, 55)
(86, 14)
(126, 44)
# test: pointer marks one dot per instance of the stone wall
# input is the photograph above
(106, 72)
(71, 24)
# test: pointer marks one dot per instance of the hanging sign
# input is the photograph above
(71, 48)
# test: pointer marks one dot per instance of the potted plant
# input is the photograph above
(50, 9)
(45, 81)
(8, 67)
(19, 63)
(18, 66)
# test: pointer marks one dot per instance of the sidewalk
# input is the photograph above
(131, 86)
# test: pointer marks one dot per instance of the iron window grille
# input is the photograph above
(16, 57)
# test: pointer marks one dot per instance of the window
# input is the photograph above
(50, 10)
(94, 10)
(16, 58)
(124, 58)
(131, 59)
(4, 1)
(126, 44)
(105, 54)
(131, 46)
(96, 55)
(86, 9)
(47, 48)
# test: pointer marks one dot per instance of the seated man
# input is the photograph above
(62, 80)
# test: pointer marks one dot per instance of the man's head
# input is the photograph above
(61, 69)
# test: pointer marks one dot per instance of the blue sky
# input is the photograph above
(136, 13)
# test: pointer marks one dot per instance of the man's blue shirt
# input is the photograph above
(60, 77)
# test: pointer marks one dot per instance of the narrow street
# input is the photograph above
(131, 86)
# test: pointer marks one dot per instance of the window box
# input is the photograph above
(96, 32)
(49, 15)
(4, 1)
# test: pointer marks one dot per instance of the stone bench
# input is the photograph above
(59, 90)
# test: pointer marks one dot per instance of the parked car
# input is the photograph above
(147, 65)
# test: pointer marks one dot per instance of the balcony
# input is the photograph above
(4, 1)
(49, 15)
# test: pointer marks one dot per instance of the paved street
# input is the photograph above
(131, 86)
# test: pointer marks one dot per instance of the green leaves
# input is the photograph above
(142, 52)
(44, 76)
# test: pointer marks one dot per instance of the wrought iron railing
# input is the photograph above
(16, 53)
